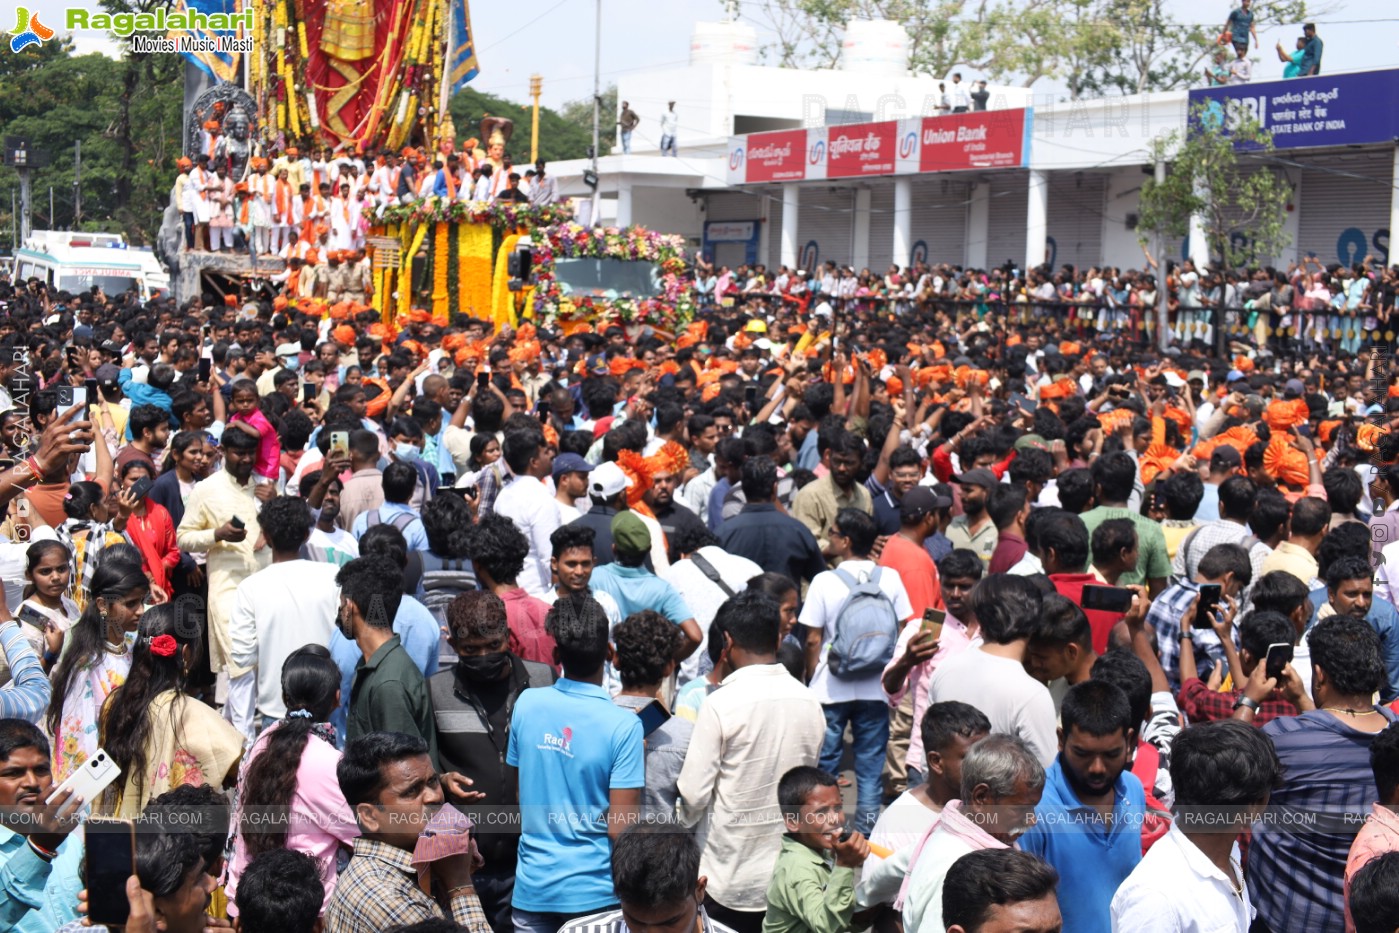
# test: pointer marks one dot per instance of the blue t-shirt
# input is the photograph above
(571, 746)
(1069, 836)
(636, 588)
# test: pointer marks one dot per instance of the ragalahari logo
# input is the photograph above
(28, 31)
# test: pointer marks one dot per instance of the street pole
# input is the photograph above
(1163, 329)
(25, 202)
(536, 85)
(52, 225)
(14, 222)
(77, 183)
(597, 112)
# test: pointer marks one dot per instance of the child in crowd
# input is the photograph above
(808, 892)
(243, 400)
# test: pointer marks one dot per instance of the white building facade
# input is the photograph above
(860, 166)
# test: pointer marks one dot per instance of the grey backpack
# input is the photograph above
(867, 628)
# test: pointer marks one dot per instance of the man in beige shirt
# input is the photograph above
(235, 549)
(760, 725)
(364, 490)
(1311, 519)
(816, 505)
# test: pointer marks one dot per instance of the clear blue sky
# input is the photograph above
(555, 38)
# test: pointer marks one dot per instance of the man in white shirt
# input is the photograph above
(542, 190)
(991, 676)
(854, 700)
(670, 124)
(1001, 785)
(530, 505)
(958, 96)
(290, 603)
(1193, 879)
(705, 576)
(760, 724)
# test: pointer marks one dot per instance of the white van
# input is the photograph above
(75, 261)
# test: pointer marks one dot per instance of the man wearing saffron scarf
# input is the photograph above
(283, 205)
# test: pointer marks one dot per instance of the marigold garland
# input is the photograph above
(441, 259)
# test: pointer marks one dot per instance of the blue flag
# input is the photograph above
(222, 66)
(463, 65)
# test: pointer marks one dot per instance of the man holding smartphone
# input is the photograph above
(28, 849)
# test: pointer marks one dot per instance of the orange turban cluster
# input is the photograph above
(1286, 463)
(344, 335)
(279, 303)
(340, 311)
(419, 316)
(453, 342)
(965, 376)
(524, 350)
(1243, 364)
(1069, 348)
(1239, 437)
(1062, 387)
(1284, 415)
(1157, 459)
(894, 385)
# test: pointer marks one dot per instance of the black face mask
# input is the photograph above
(484, 668)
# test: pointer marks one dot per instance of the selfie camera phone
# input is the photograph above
(88, 782)
(109, 859)
(1209, 602)
(1107, 598)
(1279, 656)
(932, 622)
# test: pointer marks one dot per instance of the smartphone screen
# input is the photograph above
(932, 622)
(653, 716)
(110, 859)
(750, 394)
(90, 387)
(308, 393)
(1107, 598)
(544, 411)
(205, 367)
(1209, 601)
(1279, 656)
(483, 380)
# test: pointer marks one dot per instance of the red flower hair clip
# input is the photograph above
(164, 646)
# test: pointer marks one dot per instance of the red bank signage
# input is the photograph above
(949, 143)
(861, 149)
(990, 139)
(776, 156)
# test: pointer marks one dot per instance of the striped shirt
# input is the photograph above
(27, 694)
(611, 921)
(1296, 869)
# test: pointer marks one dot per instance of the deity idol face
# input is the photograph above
(236, 125)
(496, 152)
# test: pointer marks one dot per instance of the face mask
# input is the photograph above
(484, 668)
(343, 624)
(407, 452)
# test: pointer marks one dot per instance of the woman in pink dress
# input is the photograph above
(289, 792)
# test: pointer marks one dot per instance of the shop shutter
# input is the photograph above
(1345, 209)
(1006, 236)
(1076, 219)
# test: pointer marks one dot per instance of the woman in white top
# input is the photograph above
(47, 611)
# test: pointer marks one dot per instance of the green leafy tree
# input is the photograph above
(559, 136)
(579, 113)
(1095, 46)
(1219, 172)
(130, 138)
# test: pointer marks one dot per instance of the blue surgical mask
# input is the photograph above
(407, 452)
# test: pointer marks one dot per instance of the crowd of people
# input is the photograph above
(1082, 635)
(296, 201)
(1305, 309)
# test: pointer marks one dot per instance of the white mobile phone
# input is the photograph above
(88, 781)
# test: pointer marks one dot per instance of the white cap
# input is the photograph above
(606, 481)
(1173, 380)
(823, 309)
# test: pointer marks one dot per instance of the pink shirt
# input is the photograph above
(320, 820)
(1379, 835)
(269, 451)
(954, 640)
